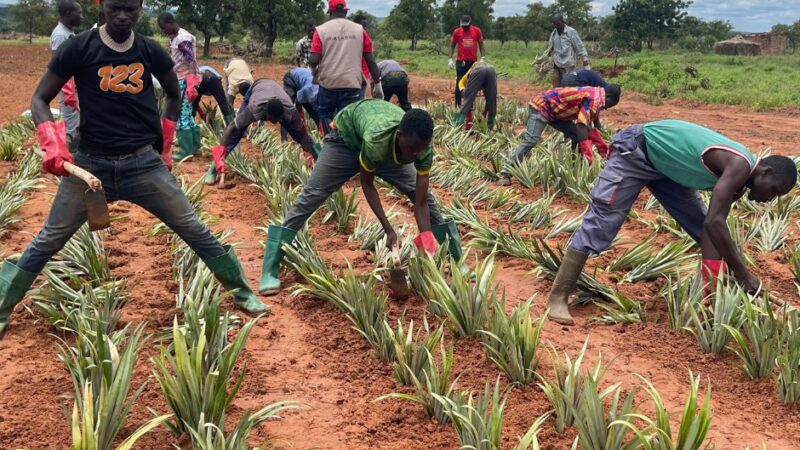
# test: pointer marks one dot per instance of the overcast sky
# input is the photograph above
(745, 15)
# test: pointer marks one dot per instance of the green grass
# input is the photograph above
(760, 83)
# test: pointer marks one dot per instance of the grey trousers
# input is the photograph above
(533, 134)
(335, 166)
(484, 79)
(624, 176)
(72, 120)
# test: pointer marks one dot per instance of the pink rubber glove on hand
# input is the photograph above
(218, 153)
(168, 133)
(710, 271)
(599, 143)
(192, 83)
(70, 97)
(426, 241)
(53, 141)
(586, 149)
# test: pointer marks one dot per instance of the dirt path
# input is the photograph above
(306, 351)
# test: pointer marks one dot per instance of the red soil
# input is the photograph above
(306, 350)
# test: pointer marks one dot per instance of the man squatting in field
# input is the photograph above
(183, 48)
(571, 111)
(395, 82)
(481, 77)
(70, 16)
(121, 138)
(267, 101)
(673, 159)
(584, 78)
(370, 137)
(298, 84)
(211, 84)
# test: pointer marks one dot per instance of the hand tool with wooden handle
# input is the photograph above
(397, 277)
(94, 197)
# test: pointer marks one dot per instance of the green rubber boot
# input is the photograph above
(14, 283)
(273, 255)
(447, 230)
(563, 285)
(460, 119)
(490, 122)
(228, 118)
(229, 272)
(211, 175)
(185, 145)
(315, 150)
(197, 141)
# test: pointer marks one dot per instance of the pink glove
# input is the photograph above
(218, 153)
(168, 133)
(599, 143)
(53, 140)
(427, 241)
(586, 149)
(710, 270)
(70, 99)
(192, 83)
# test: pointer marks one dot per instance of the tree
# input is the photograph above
(577, 13)
(500, 30)
(270, 18)
(648, 20)
(538, 21)
(412, 19)
(209, 17)
(480, 11)
(520, 29)
(366, 19)
(32, 16)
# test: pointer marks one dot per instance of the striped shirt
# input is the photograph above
(581, 104)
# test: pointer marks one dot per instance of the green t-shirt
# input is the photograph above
(675, 148)
(369, 127)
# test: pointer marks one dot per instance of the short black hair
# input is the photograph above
(418, 122)
(309, 24)
(557, 18)
(784, 169)
(275, 108)
(65, 7)
(613, 93)
(166, 17)
(244, 87)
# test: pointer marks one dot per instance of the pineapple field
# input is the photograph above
(128, 341)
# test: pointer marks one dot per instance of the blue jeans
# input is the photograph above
(533, 133)
(624, 176)
(331, 101)
(142, 179)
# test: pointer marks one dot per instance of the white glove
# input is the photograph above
(451, 64)
(483, 59)
(377, 91)
(586, 65)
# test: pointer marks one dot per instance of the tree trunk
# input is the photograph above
(413, 43)
(270, 34)
(30, 32)
(207, 44)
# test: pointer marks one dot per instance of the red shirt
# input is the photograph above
(467, 42)
(316, 44)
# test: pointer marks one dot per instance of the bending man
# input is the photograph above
(481, 77)
(371, 137)
(211, 84)
(673, 159)
(267, 101)
(571, 111)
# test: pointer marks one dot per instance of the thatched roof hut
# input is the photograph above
(738, 46)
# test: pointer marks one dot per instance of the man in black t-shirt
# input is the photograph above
(123, 143)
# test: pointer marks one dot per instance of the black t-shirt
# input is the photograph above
(119, 113)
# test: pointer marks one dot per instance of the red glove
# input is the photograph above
(599, 143)
(468, 123)
(192, 83)
(586, 149)
(710, 270)
(201, 113)
(53, 140)
(168, 133)
(218, 153)
(70, 99)
(427, 241)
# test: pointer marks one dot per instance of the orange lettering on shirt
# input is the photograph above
(468, 42)
(113, 78)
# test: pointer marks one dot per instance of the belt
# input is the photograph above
(139, 152)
